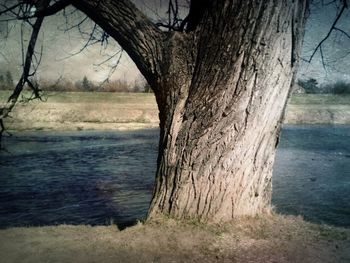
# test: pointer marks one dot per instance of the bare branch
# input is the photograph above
(9, 9)
(135, 33)
(52, 9)
(25, 12)
(332, 28)
(342, 31)
(7, 108)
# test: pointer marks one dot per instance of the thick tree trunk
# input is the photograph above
(221, 90)
(221, 113)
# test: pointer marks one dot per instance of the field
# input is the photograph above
(85, 110)
(101, 110)
(318, 109)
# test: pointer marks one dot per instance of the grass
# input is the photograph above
(266, 238)
(92, 97)
(111, 108)
(320, 99)
(148, 98)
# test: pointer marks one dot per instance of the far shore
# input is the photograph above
(127, 111)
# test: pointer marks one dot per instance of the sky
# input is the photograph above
(336, 49)
(62, 55)
(60, 45)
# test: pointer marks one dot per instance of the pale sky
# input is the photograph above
(59, 45)
(336, 49)
(58, 49)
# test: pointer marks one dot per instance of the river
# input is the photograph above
(98, 177)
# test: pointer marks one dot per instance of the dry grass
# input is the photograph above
(101, 110)
(86, 110)
(320, 99)
(271, 238)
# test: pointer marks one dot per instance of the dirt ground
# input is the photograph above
(262, 239)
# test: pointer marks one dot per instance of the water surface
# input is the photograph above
(77, 178)
(97, 177)
(312, 173)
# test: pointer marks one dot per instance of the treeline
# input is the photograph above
(311, 86)
(84, 85)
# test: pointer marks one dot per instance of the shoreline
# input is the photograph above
(315, 114)
(79, 126)
(129, 111)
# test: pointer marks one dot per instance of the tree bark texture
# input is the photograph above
(221, 91)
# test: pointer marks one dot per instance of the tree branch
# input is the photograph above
(134, 32)
(9, 9)
(7, 108)
(332, 28)
(52, 9)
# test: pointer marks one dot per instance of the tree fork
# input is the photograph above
(221, 89)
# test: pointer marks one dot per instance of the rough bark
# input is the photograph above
(221, 91)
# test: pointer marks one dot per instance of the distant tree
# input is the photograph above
(338, 87)
(341, 87)
(2, 82)
(137, 87)
(9, 79)
(117, 86)
(86, 83)
(147, 88)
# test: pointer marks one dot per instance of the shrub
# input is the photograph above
(58, 85)
(338, 87)
(9, 79)
(147, 88)
(341, 87)
(309, 85)
(6, 81)
(86, 85)
(116, 86)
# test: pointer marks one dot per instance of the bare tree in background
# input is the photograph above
(221, 77)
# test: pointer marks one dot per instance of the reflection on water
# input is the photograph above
(96, 177)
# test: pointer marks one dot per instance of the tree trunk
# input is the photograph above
(220, 118)
(221, 90)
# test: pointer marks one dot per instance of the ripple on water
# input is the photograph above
(96, 177)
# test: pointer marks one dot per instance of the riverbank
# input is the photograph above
(318, 109)
(125, 111)
(272, 238)
(64, 111)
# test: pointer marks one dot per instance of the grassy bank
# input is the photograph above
(101, 110)
(262, 239)
(319, 99)
(318, 109)
(85, 110)
(91, 97)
